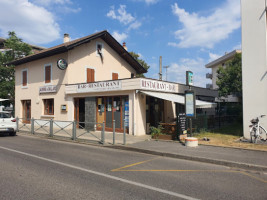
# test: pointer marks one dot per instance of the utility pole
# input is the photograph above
(166, 67)
(160, 68)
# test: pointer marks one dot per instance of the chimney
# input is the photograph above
(124, 45)
(66, 38)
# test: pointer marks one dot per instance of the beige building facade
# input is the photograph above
(254, 61)
(93, 79)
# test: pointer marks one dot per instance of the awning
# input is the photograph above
(178, 99)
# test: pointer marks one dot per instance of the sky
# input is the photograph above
(188, 34)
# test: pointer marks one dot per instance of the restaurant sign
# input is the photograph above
(48, 89)
(157, 85)
(99, 86)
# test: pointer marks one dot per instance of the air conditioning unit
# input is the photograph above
(209, 86)
(208, 75)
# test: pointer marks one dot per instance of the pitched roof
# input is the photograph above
(104, 35)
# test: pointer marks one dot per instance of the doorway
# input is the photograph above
(26, 111)
(113, 108)
(79, 112)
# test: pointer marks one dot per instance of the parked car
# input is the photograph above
(7, 123)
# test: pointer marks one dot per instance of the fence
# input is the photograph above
(70, 129)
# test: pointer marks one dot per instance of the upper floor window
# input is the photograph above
(48, 73)
(99, 49)
(24, 74)
(90, 75)
(115, 76)
(49, 106)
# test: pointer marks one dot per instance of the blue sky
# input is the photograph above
(187, 33)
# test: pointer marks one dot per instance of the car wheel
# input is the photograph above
(12, 134)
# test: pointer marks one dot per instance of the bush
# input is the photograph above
(156, 131)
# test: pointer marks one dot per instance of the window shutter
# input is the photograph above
(47, 74)
(90, 75)
(24, 78)
(115, 76)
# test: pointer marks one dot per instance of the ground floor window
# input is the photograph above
(26, 111)
(48, 106)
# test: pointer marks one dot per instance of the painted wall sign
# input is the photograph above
(62, 64)
(157, 85)
(99, 86)
(48, 89)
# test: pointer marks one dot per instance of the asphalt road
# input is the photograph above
(37, 168)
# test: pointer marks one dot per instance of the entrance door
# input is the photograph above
(26, 111)
(113, 108)
(79, 112)
(100, 111)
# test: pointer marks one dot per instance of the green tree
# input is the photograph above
(141, 62)
(230, 77)
(14, 49)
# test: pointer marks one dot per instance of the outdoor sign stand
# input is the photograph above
(190, 100)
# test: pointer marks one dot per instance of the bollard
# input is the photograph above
(17, 123)
(124, 134)
(103, 133)
(32, 125)
(74, 130)
(51, 128)
(113, 132)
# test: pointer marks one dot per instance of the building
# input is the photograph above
(214, 66)
(93, 79)
(254, 61)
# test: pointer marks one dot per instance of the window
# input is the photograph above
(90, 75)
(48, 74)
(49, 106)
(115, 76)
(24, 77)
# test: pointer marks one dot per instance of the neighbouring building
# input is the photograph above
(254, 61)
(93, 79)
(214, 66)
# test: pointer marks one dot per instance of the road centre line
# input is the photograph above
(102, 174)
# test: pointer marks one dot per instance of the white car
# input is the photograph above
(7, 123)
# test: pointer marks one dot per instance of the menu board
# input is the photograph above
(182, 123)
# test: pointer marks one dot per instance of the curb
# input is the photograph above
(244, 166)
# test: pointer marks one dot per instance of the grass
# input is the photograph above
(228, 136)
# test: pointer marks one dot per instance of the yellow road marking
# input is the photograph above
(127, 166)
(179, 170)
(259, 179)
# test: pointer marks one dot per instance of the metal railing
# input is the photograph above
(70, 129)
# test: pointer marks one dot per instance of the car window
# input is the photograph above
(5, 115)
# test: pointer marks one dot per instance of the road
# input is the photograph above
(38, 168)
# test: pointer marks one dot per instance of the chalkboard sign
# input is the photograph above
(182, 123)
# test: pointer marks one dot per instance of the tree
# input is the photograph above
(230, 77)
(14, 49)
(141, 62)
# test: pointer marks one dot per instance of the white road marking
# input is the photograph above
(103, 175)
